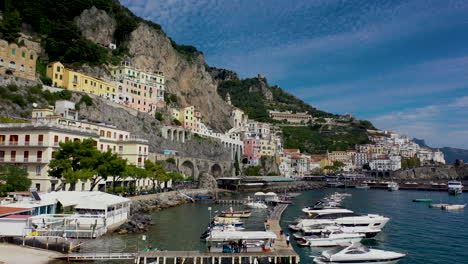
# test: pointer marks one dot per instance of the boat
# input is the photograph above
(220, 228)
(454, 207)
(330, 239)
(393, 186)
(256, 205)
(356, 254)
(222, 221)
(362, 186)
(203, 197)
(235, 214)
(240, 241)
(422, 200)
(343, 217)
(454, 187)
(317, 230)
(440, 205)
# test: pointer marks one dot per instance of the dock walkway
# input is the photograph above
(282, 253)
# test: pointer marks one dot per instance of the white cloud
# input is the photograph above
(440, 125)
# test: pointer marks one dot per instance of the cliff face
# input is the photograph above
(189, 80)
(96, 25)
(152, 50)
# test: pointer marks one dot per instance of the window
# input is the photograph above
(26, 156)
(40, 139)
(26, 139)
(86, 81)
(67, 139)
(13, 155)
(58, 68)
(1, 62)
(23, 54)
(13, 51)
(83, 186)
(39, 156)
(31, 57)
(12, 65)
(38, 187)
(75, 79)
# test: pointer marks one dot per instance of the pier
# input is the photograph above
(282, 253)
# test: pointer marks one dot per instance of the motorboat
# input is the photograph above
(316, 230)
(311, 211)
(256, 205)
(235, 214)
(343, 218)
(222, 221)
(453, 207)
(393, 186)
(240, 241)
(357, 254)
(330, 239)
(220, 228)
(440, 205)
(455, 187)
(362, 186)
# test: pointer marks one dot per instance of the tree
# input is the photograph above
(159, 116)
(236, 164)
(135, 172)
(156, 172)
(366, 166)
(13, 178)
(110, 165)
(252, 171)
(10, 27)
(175, 177)
(76, 160)
(176, 122)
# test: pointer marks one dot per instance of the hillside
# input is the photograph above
(451, 154)
(78, 32)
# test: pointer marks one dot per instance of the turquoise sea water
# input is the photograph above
(428, 235)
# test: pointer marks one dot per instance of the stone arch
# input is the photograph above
(216, 170)
(188, 169)
(245, 161)
(174, 134)
(380, 174)
(387, 174)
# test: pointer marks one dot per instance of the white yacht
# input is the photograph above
(309, 231)
(393, 186)
(455, 187)
(357, 254)
(343, 218)
(330, 239)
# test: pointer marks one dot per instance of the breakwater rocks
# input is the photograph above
(445, 172)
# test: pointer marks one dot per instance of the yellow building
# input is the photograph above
(17, 61)
(267, 147)
(79, 82)
(341, 156)
(188, 116)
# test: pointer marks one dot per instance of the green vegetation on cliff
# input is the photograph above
(318, 139)
(256, 98)
(61, 38)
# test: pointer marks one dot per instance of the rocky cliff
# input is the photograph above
(148, 48)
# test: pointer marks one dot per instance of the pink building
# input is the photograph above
(252, 151)
(136, 95)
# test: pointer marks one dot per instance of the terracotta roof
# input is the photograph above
(17, 216)
(12, 210)
(291, 150)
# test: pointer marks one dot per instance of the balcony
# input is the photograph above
(24, 160)
(24, 144)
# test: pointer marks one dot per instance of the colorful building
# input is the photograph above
(252, 152)
(189, 117)
(33, 145)
(79, 82)
(17, 61)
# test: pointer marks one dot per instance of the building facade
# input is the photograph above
(17, 61)
(290, 117)
(79, 82)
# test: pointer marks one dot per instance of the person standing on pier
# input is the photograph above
(287, 239)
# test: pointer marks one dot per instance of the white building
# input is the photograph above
(391, 163)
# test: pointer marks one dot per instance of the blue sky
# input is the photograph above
(401, 64)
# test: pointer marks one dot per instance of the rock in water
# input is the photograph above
(207, 181)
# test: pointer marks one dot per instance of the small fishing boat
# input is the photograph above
(204, 197)
(454, 207)
(357, 254)
(235, 214)
(422, 200)
(440, 205)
